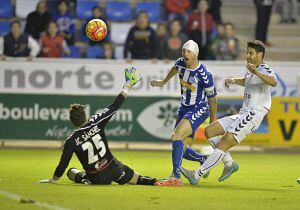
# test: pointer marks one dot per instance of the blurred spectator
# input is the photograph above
(38, 20)
(65, 22)
(198, 28)
(194, 4)
(97, 13)
(172, 44)
(289, 11)
(16, 44)
(108, 50)
(228, 46)
(263, 12)
(53, 45)
(161, 34)
(177, 9)
(215, 10)
(216, 39)
(141, 39)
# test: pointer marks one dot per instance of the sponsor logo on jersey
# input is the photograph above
(187, 85)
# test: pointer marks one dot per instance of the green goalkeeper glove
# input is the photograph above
(132, 76)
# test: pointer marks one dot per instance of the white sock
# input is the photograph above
(227, 160)
(212, 161)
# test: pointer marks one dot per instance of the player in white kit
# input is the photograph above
(231, 130)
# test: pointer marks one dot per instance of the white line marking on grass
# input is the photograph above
(19, 199)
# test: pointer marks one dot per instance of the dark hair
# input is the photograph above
(97, 7)
(15, 21)
(141, 12)
(161, 24)
(174, 20)
(64, 1)
(40, 2)
(257, 45)
(77, 114)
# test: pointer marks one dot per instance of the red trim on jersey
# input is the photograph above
(267, 109)
(101, 169)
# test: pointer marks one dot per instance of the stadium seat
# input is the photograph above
(4, 28)
(119, 32)
(6, 9)
(94, 52)
(118, 11)
(153, 9)
(75, 52)
(23, 8)
(84, 8)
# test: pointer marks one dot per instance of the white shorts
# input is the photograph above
(242, 124)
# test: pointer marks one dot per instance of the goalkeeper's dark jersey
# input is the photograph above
(89, 143)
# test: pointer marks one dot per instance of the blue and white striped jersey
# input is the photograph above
(196, 84)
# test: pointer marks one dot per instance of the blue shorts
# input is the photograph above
(195, 114)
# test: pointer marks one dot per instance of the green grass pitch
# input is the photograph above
(264, 181)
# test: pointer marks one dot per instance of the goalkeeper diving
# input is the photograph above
(89, 143)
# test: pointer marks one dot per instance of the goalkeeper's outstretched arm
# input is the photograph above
(132, 76)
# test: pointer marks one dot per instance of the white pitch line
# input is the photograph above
(18, 198)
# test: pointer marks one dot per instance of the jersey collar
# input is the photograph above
(199, 64)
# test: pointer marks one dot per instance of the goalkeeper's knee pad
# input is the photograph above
(77, 176)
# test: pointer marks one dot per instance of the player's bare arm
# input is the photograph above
(270, 80)
(212, 103)
(232, 81)
(161, 83)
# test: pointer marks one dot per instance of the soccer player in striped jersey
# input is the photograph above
(198, 102)
(231, 130)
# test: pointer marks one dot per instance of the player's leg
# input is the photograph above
(189, 119)
(213, 133)
(182, 131)
(227, 141)
(196, 117)
(192, 155)
(77, 176)
(126, 175)
(146, 180)
(213, 160)
(241, 127)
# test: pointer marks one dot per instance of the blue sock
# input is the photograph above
(177, 153)
(192, 155)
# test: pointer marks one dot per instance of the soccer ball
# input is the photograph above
(96, 30)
